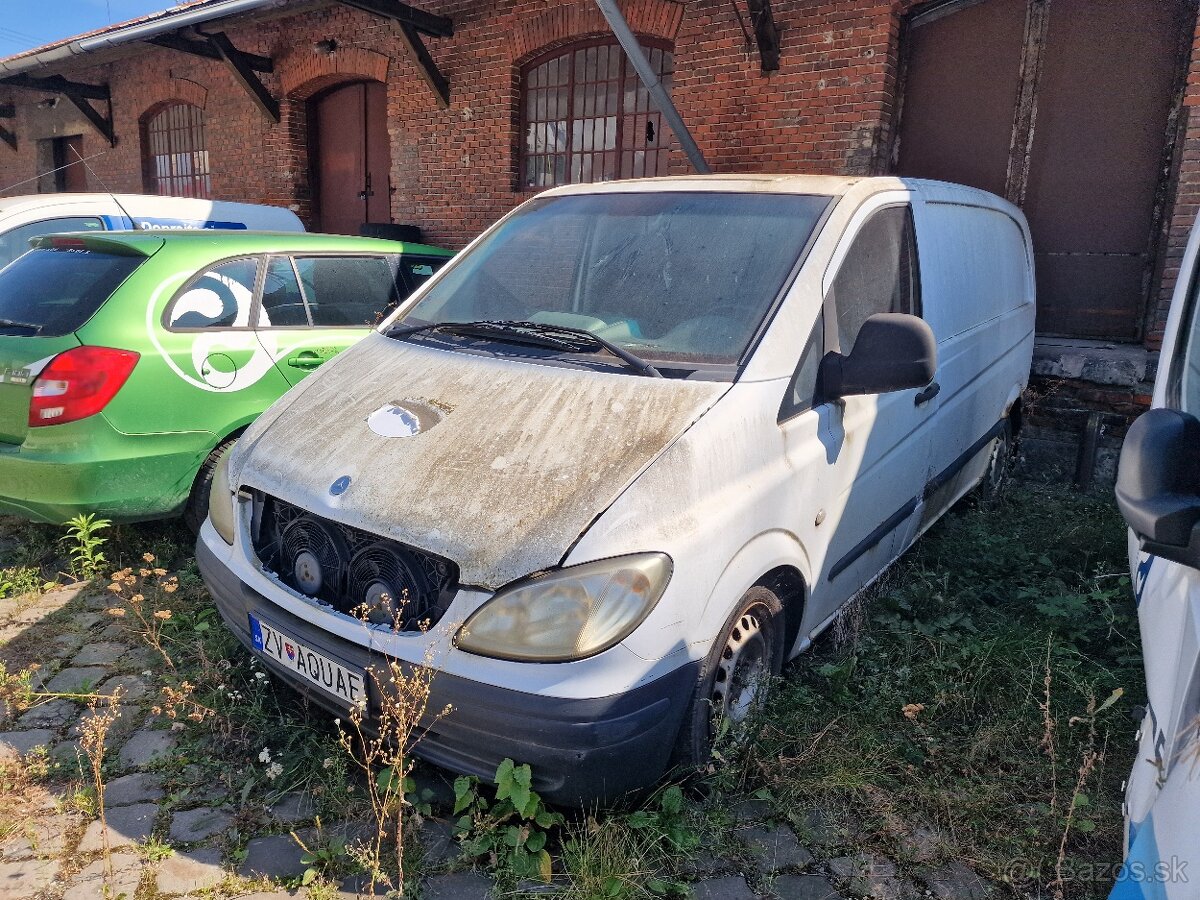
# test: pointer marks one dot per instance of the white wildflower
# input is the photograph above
(274, 770)
(265, 756)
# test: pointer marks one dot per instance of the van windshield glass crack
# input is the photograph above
(666, 276)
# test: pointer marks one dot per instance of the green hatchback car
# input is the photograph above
(130, 362)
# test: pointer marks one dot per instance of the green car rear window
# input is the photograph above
(52, 292)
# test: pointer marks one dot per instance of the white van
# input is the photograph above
(1158, 490)
(624, 456)
(23, 218)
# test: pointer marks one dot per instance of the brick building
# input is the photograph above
(1082, 111)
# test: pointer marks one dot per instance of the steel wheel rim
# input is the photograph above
(743, 669)
(998, 469)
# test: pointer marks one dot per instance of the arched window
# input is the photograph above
(175, 154)
(587, 117)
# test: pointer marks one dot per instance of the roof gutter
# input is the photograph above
(139, 31)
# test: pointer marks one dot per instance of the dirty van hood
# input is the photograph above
(519, 461)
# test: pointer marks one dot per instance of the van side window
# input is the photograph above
(1187, 377)
(221, 297)
(879, 274)
(354, 291)
(802, 392)
(15, 242)
(282, 302)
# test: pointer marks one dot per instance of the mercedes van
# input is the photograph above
(24, 218)
(625, 455)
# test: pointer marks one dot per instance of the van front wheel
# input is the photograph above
(196, 510)
(745, 657)
(999, 464)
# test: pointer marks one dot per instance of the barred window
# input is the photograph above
(587, 117)
(176, 155)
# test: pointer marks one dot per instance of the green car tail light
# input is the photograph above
(79, 383)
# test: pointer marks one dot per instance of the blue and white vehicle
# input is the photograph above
(1158, 490)
(24, 218)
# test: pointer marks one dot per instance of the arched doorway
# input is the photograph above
(351, 156)
(1063, 106)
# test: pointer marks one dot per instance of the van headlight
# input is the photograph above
(220, 501)
(568, 613)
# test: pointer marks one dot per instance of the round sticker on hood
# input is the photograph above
(404, 418)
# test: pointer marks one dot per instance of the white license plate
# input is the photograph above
(317, 668)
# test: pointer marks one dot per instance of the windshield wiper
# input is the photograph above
(555, 337)
(9, 323)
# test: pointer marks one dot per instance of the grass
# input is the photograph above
(955, 714)
(960, 701)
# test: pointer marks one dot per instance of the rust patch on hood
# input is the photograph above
(523, 461)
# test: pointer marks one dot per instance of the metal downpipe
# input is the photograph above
(633, 50)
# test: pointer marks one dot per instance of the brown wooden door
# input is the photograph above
(1062, 107)
(353, 157)
(1097, 156)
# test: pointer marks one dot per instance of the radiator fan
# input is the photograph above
(312, 558)
(382, 586)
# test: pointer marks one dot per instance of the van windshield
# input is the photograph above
(670, 276)
(52, 292)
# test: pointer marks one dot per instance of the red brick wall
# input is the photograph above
(1184, 199)
(829, 109)
(454, 170)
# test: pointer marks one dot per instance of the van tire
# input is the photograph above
(1000, 464)
(748, 651)
(196, 510)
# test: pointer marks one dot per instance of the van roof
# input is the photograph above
(11, 204)
(822, 185)
(254, 241)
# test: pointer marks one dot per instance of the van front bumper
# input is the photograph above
(582, 752)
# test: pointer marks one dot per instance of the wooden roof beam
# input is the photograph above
(240, 66)
(56, 84)
(766, 33)
(424, 22)
(206, 50)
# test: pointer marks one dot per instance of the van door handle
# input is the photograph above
(927, 394)
(305, 360)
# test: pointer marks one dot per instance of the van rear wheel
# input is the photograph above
(196, 510)
(745, 657)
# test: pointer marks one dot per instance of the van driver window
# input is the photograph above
(878, 275)
(220, 298)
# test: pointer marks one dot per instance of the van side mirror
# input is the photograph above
(893, 352)
(1158, 484)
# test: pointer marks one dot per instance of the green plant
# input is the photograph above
(20, 580)
(512, 830)
(666, 823)
(608, 859)
(154, 850)
(328, 858)
(85, 543)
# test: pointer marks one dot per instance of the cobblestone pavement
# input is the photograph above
(206, 843)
